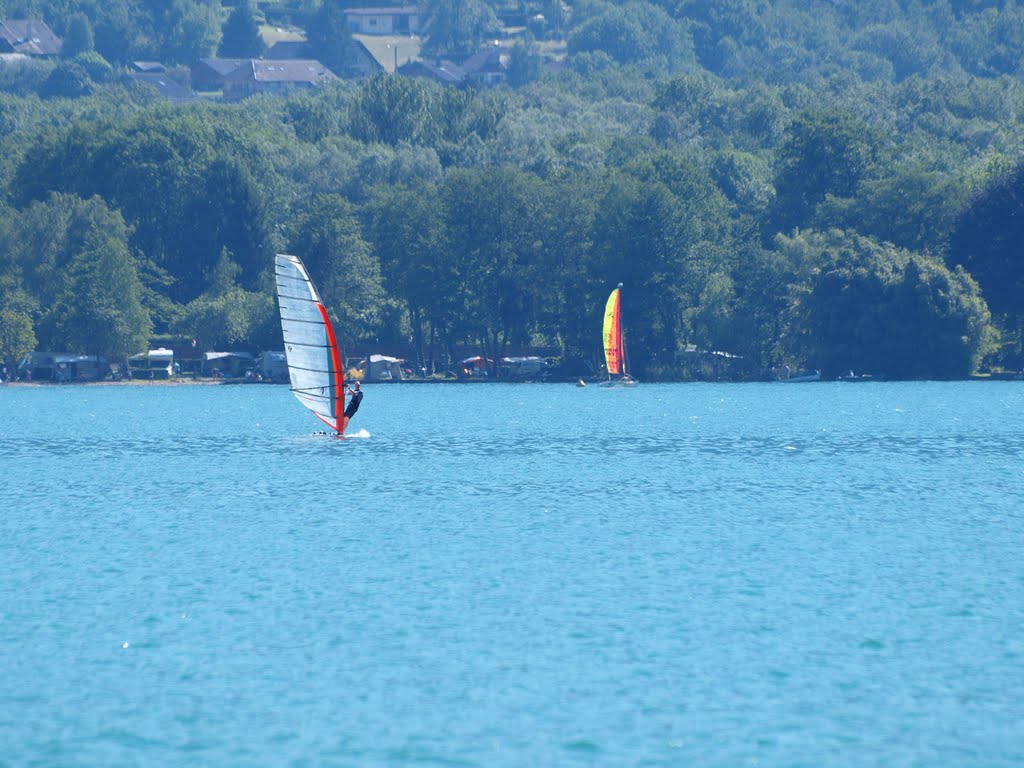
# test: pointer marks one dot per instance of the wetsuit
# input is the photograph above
(353, 404)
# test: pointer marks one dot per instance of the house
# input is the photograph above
(441, 71)
(389, 52)
(29, 36)
(167, 88)
(488, 66)
(275, 76)
(364, 63)
(389, 20)
(147, 66)
(209, 74)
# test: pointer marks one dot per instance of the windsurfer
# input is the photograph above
(356, 393)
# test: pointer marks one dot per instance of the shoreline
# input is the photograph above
(124, 383)
(211, 382)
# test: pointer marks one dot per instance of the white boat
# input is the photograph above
(615, 344)
(801, 376)
(310, 345)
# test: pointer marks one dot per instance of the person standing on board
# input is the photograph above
(353, 404)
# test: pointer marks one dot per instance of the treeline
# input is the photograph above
(835, 217)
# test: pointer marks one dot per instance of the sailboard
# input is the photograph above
(310, 345)
(614, 343)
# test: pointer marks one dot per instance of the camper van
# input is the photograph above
(155, 364)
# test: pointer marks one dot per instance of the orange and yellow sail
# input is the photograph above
(613, 334)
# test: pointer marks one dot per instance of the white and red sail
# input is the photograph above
(315, 365)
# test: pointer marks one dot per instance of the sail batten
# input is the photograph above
(311, 347)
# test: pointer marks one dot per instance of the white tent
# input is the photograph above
(383, 368)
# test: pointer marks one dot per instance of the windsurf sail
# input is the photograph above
(310, 345)
(613, 334)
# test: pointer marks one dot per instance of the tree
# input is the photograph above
(68, 80)
(876, 308)
(187, 30)
(407, 229)
(17, 338)
(241, 35)
(236, 316)
(823, 154)
(458, 27)
(329, 36)
(492, 219)
(524, 64)
(986, 240)
(909, 207)
(79, 37)
(104, 313)
(392, 109)
(342, 265)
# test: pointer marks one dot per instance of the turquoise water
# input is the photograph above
(514, 575)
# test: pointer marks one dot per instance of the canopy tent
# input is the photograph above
(226, 363)
(384, 368)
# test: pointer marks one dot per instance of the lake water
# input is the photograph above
(514, 575)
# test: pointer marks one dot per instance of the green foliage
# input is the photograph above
(79, 37)
(227, 320)
(524, 64)
(96, 67)
(69, 80)
(677, 140)
(987, 241)
(104, 315)
(874, 308)
(329, 37)
(393, 110)
(909, 207)
(635, 32)
(17, 338)
(188, 30)
(345, 270)
(390, 109)
(72, 257)
(241, 33)
(823, 154)
(990, 42)
(458, 26)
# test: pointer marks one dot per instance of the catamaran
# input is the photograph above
(615, 343)
(310, 344)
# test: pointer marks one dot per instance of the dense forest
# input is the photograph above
(828, 184)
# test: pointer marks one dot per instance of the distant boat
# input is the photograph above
(615, 344)
(802, 376)
(310, 344)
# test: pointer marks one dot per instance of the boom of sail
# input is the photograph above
(310, 345)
